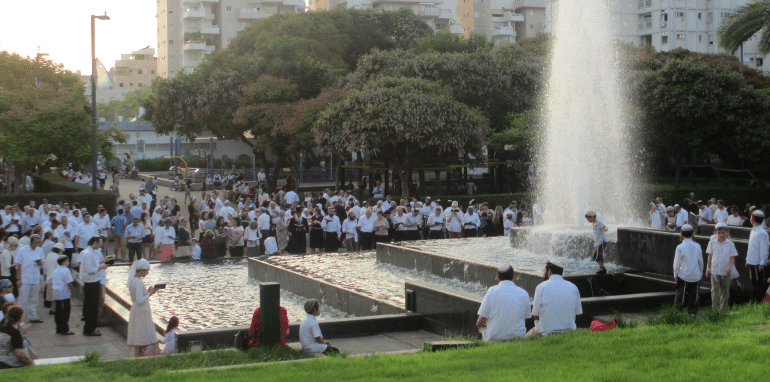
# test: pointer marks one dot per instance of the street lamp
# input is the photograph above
(93, 97)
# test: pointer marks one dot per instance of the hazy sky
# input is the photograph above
(63, 29)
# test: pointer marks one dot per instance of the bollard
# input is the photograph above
(270, 322)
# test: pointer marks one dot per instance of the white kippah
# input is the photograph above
(504, 268)
(686, 227)
(758, 213)
(721, 225)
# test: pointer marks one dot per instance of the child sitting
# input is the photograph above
(310, 333)
(170, 340)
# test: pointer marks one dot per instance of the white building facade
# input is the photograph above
(441, 15)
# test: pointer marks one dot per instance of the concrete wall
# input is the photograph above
(340, 298)
(653, 251)
(739, 233)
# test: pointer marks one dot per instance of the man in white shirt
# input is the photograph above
(31, 259)
(102, 221)
(332, 231)
(84, 232)
(688, 268)
(756, 256)
(454, 221)
(29, 220)
(356, 209)
(721, 261)
(386, 204)
(721, 214)
(682, 216)
(704, 214)
(227, 212)
(399, 221)
(366, 230)
(556, 303)
(291, 198)
(412, 223)
(600, 240)
(435, 224)
(91, 266)
(12, 221)
(504, 309)
(471, 223)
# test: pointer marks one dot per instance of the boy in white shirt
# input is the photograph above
(600, 240)
(196, 252)
(721, 261)
(61, 281)
(310, 333)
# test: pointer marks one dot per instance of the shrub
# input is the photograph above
(671, 315)
(56, 189)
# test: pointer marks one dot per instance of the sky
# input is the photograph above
(63, 29)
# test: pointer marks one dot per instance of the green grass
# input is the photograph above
(714, 347)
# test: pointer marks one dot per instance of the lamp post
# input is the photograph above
(39, 81)
(93, 97)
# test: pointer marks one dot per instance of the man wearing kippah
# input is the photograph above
(756, 255)
(556, 303)
(504, 309)
(688, 268)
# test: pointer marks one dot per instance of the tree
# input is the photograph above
(696, 108)
(746, 21)
(407, 122)
(128, 107)
(445, 42)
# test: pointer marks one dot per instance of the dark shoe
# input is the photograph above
(36, 321)
(102, 324)
(94, 334)
(82, 318)
(51, 312)
(601, 271)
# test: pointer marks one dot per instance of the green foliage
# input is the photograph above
(55, 189)
(671, 315)
(20, 72)
(746, 21)
(712, 316)
(445, 42)
(127, 108)
(521, 137)
(153, 164)
(622, 323)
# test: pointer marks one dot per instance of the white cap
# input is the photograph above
(686, 227)
(504, 268)
(676, 206)
(721, 225)
(758, 213)
(59, 246)
(591, 213)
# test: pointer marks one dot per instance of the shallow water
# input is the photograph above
(209, 295)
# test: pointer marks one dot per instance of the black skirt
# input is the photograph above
(316, 238)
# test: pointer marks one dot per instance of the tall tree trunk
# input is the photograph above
(437, 174)
(279, 163)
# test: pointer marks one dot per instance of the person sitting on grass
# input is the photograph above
(556, 303)
(255, 328)
(172, 329)
(310, 333)
(12, 353)
(504, 309)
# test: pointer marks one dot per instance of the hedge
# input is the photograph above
(55, 188)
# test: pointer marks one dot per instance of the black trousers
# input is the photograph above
(134, 248)
(69, 252)
(330, 242)
(436, 234)
(236, 251)
(265, 234)
(687, 295)
(472, 232)
(413, 235)
(399, 236)
(366, 240)
(381, 239)
(91, 295)
(758, 283)
(62, 316)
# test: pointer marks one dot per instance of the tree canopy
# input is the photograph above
(745, 22)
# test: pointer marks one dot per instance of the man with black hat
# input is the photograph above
(756, 255)
(556, 303)
(504, 309)
(688, 268)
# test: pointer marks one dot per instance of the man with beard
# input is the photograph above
(556, 303)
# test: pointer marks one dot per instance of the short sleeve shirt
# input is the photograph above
(308, 331)
(505, 306)
(119, 223)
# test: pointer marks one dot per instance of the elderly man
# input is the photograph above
(366, 230)
(688, 268)
(504, 309)
(556, 303)
(84, 232)
(412, 223)
(704, 214)
(435, 224)
(91, 265)
(682, 216)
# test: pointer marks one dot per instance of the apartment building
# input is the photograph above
(672, 24)
(188, 30)
(503, 21)
(131, 73)
(441, 15)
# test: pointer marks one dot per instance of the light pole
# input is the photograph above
(93, 97)
(39, 81)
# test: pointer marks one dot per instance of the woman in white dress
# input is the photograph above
(141, 338)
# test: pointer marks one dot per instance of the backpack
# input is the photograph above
(242, 340)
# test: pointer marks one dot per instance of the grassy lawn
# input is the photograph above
(716, 347)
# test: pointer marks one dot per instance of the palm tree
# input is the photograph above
(747, 20)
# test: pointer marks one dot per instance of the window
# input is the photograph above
(679, 14)
(760, 61)
(531, 13)
(664, 39)
(131, 84)
(140, 84)
(229, 8)
(531, 26)
(698, 15)
(121, 85)
(700, 38)
(680, 37)
(139, 71)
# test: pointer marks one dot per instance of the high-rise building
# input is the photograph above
(503, 21)
(441, 15)
(131, 73)
(670, 24)
(190, 29)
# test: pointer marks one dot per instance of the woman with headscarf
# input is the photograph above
(297, 229)
(208, 246)
(141, 338)
(164, 238)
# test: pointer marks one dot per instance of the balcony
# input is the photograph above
(645, 25)
(503, 31)
(446, 14)
(194, 14)
(190, 46)
(209, 1)
(430, 12)
(293, 3)
(210, 29)
(456, 30)
(508, 17)
(254, 14)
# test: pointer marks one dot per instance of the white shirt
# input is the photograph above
(556, 302)
(454, 221)
(147, 198)
(536, 214)
(170, 341)
(705, 216)
(437, 220)
(734, 220)
(8, 218)
(196, 252)
(758, 246)
(162, 235)
(227, 212)
(682, 217)
(308, 331)
(85, 232)
(655, 220)
(720, 256)
(721, 215)
(349, 229)
(411, 219)
(507, 225)
(89, 265)
(367, 224)
(28, 258)
(399, 219)
(103, 223)
(331, 224)
(291, 197)
(505, 306)
(357, 210)
(385, 205)
(263, 221)
(599, 234)
(470, 219)
(688, 261)
(59, 234)
(59, 279)
(7, 261)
